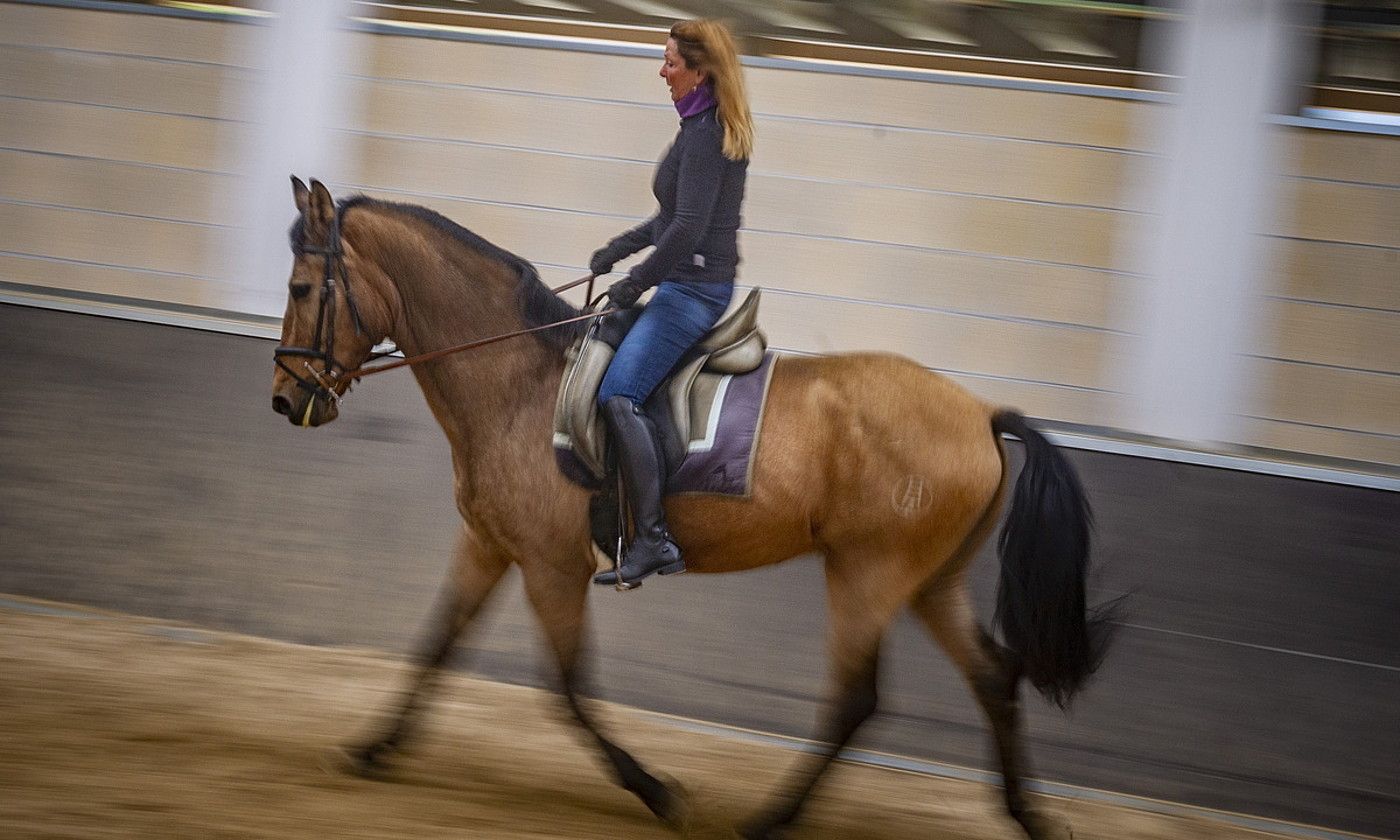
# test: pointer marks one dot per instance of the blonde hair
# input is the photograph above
(707, 46)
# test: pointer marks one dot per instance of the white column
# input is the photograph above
(1211, 194)
(294, 103)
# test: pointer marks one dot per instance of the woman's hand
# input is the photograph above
(601, 262)
(624, 293)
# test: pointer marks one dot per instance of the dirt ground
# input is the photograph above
(114, 726)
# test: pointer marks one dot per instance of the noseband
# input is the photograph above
(321, 383)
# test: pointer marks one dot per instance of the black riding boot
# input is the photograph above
(651, 550)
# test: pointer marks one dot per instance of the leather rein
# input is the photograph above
(322, 383)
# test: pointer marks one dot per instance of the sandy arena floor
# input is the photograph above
(120, 727)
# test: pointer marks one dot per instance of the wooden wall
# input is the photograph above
(971, 228)
(1329, 361)
(113, 141)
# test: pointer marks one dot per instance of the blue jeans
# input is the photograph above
(678, 316)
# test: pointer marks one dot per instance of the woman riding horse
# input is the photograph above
(889, 473)
(699, 186)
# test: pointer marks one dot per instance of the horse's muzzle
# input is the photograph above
(308, 411)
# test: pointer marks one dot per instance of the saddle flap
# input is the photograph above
(678, 392)
(733, 328)
(577, 426)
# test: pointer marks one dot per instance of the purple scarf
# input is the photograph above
(699, 99)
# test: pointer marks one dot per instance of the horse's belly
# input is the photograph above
(727, 534)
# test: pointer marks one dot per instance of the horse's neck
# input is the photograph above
(450, 295)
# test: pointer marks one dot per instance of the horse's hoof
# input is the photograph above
(667, 800)
(366, 762)
(1045, 825)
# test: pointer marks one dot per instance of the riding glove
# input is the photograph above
(602, 261)
(624, 293)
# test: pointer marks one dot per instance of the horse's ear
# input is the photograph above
(320, 209)
(301, 195)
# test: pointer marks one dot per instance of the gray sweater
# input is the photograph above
(695, 230)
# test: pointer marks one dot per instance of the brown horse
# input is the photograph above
(891, 473)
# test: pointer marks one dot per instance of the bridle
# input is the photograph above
(322, 383)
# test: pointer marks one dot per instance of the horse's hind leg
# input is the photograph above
(558, 597)
(861, 607)
(474, 577)
(991, 671)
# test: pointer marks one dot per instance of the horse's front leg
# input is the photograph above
(558, 596)
(474, 576)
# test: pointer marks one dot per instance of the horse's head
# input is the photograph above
(323, 334)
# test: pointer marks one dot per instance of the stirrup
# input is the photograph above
(619, 556)
(622, 584)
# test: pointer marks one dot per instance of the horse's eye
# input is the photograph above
(300, 290)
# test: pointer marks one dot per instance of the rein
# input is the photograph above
(361, 372)
(322, 382)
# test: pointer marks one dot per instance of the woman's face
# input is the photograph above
(679, 78)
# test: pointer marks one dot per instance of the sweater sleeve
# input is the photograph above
(697, 191)
(630, 242)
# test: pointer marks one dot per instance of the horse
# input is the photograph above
(843, 439)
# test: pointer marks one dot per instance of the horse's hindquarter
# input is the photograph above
(867, 449)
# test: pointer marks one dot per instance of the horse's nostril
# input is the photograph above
(282, 405)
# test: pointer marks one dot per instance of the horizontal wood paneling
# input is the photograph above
(1344, 156)
(1328, 443)
(959, 163)
(1340, 270)
(636, 131)
(1352, 213)
(142, 35)
(982, 345)
(90, 131)
(118, 81)
(507, 175)
(1331, 397)
(970, 228)
(1035, 352)
(815, 183)
(1332, 335)
(1031, 115)
(1067, 405)
(592, 76)
(954, 284)
(913, 277)
(860, 154)
(1336, 273)
(116, 240)
(1073, 236)
(105, 161)
(137, 284)
(828, 97)
(900, 275)
(848, 211)
(116, 187)
(539, 234)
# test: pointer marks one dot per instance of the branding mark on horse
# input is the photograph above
(911, 497)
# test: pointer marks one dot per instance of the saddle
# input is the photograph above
(685, 407)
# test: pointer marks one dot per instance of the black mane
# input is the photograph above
(538, 305)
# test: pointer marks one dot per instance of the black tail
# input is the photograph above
(1044, 547)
